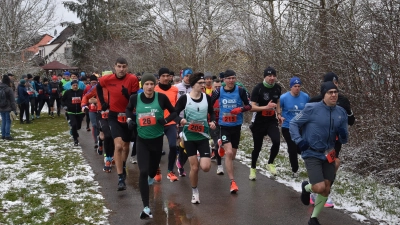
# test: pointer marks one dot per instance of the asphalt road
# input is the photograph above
(264, 201)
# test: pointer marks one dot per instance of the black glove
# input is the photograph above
(162, 121)
(132, 125)
(125, 92)
(104, 106)
(303, 145)
(86, 110)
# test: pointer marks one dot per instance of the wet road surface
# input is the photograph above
(257, 202)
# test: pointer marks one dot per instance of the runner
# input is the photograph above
(215, 134)
(320, 122)
(23, 102)
(344, 102)
(89, 107)
(196, 106)
(183, 88)
(208, 77)
(292, 102)
(119, 86)
(233, 101)
(165, 87)
(150, 122)
(265, 102)
(32, 94)
(72, 100)
(55, 93)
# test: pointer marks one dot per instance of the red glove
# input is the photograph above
(236, 111)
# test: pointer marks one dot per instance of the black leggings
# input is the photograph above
(149, 152)
(24, 108)
(293, 150)
(259, 130)
(170, 132)
(33, 105)
(76, 123)
(108, 142)
(215, 135)
(41, 104)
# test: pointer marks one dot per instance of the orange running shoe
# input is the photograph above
(234, 187)
(158, 176)
(221, 150)
(172, 177)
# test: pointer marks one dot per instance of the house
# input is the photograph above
(28, 53)
(58, 49)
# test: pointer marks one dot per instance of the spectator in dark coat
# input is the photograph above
(7, 107)
(23, 101)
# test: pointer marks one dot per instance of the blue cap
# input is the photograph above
(67, 73)
(187, 72)
(293, 81)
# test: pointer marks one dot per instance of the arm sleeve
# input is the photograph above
(244, 95)
(131, 106)
(180, 105)
(297, 122)
(214, 96)
(166, 104)
(99, 90)
(210, 108)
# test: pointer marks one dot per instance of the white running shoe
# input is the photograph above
(195, 197)
(220, 170)
(133, 159)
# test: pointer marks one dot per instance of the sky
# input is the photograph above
(64, 15)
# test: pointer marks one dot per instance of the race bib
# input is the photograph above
(54, 90)
(229, 118)
(30, 92)
(76, 100)
(268, 112)
(196, 126)
(40, 91)
(104, 114)
(121, 117)
(330, 155)
(147, 119)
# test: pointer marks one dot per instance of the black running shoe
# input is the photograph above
(305, 196)
(121, 184)
(146, 213)
(76, 143)
(313, 221)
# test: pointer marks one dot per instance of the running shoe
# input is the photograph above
(312, 198)
(150, 181)
(295, 174)
(76, 143)
(113, 162)
(163, 152)
(305, 196)
(195, 197)
(37, 117)
(133, 159)
(313, 221)
(213, 157)
(96, 145)
(252, 175)
(220, 170)
(121, 184)
(221, 150)
(107, 165)
(182, 172)
(88, 129)
(100, 150)
(271, 168)
(146, 213)
(158, 176)
(171, 177)
(329, 203)
(234, 187)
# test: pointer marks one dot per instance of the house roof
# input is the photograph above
(63, 36)
(55, 65)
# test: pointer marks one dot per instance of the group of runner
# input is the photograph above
(202, 118)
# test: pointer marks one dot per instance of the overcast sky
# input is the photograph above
(64, 15)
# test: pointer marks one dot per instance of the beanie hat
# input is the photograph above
(148, 77)
(221, 75)
(74, 82)
(326, 86)
(208, 75)
(331, 77)
(229, 73)
(187, 72)
(54, 77)
(269, 71)
(293, 81)
(29, 76)
(93, 77)
(45, 79)
(67, 73)
(163, 70)
(83, 74)
(22, 81)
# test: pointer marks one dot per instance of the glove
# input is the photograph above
(125, 92)
(303, 145)
(342, 133)
(236, 110)
(162, 121)
(104, 106)
(131, 125)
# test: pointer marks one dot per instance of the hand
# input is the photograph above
(104, 106)
(281, 119)
(303, 145)
(84, 108)
(125, 92)
(212, 125)
(342, 133)
(131, 124)
(236, 110)
(271, 105)
(183, 122)
(162, 121)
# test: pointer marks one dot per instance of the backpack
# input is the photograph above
(3, 98)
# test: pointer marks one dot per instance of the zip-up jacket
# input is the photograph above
(319, 124)
(72, 100)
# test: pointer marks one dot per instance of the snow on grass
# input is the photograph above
(362, 197)
(47, 181)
